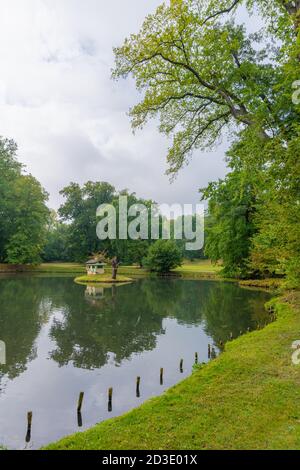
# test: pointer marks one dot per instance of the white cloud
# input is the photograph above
(69, 119)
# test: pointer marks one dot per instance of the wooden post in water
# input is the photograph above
(161, 376)
(110, 395)
(181, 366)
(209, 351)
(138, 381)
(213, 353)
(79, 419)
(29, 423)
(80, 400)
(196, 358)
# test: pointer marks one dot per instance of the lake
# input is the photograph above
(62, 338)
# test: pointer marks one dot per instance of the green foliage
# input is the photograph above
(276, 247)
(163, 256)
(23, 210)
(201, 72)
(57, 238)
(137, 251)
(10, 171)
(229, 226)
(79, 210)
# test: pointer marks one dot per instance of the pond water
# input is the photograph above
(62, 338)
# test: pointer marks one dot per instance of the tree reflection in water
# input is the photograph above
(95, 322)
(128, 319)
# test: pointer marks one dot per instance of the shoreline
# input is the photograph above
(247, 398)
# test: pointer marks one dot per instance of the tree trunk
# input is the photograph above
(114, 273)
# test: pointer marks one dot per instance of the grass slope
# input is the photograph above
(248, 398)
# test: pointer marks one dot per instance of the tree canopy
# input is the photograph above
(163, 256)
(23, 210)
(202, 74)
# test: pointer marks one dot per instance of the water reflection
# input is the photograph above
(23, 310)
(140, 337)
(119, 323)
(97, 321)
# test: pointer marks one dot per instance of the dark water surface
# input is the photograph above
(62, 338)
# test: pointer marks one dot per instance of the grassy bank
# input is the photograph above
(248, 398)
(263, 283)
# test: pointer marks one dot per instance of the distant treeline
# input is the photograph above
(71, 233)
(31, 233)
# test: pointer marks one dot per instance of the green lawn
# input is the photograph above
(188, 267)
(248, 398)
(76, 268)
(60, 268)
(199, 266)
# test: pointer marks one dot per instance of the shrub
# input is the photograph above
(163, 256)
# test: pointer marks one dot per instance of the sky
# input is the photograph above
(69, 119)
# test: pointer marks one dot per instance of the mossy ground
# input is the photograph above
(248, 398)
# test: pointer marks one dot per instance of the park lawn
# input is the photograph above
(196, 269)
(76, 268)
(199, 266)
(72, 268)
(248, 398)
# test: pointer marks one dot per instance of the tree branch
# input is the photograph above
(221, 12)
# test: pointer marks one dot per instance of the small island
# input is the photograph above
(95, 269)
(103, 279)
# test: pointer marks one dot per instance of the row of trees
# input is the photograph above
(71, 234)
(31, 233)
(202, 73)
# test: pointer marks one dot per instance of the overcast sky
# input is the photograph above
(69, 119)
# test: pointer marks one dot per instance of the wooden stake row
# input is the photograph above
(211, 355)
(110, 394)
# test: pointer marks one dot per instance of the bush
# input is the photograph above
(163, 256)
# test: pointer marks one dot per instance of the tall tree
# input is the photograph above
(29, 222)
(201, 73)
(10, 170)
(79, 209)
(23, 210)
